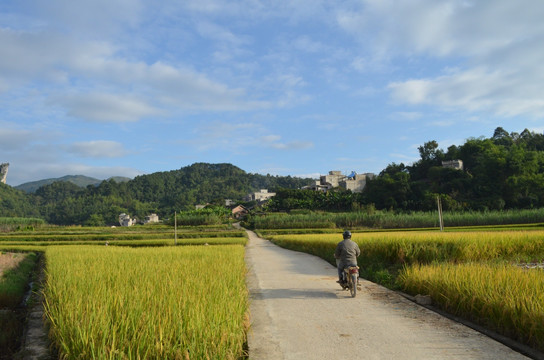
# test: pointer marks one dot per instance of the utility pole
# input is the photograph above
(175, 228)
(440, 218)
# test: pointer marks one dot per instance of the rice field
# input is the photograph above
(141, 296)
(147, 303)
(506, 299)
(409, 247)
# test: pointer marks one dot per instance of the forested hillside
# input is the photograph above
(162, 193)
(505, 171)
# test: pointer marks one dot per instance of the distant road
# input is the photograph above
(299, 312)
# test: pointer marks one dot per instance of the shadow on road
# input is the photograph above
(265, 294)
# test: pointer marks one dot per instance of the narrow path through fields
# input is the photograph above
(299, 312)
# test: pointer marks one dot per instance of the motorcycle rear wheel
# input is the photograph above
(353, 285)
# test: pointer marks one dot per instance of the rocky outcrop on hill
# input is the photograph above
(3, 172)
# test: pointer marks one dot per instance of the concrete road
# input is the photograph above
(299, 312)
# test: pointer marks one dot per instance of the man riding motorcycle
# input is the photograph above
(346, 254)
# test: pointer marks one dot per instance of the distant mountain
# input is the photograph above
(79, 180)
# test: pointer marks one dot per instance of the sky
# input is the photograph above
(126, 87)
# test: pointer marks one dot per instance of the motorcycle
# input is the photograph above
(351, 280)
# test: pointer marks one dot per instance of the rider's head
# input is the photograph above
(347, 234)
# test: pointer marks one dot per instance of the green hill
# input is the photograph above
(69, 200)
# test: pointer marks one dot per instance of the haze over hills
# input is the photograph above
(79, 180)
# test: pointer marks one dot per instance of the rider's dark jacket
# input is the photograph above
(346, 253)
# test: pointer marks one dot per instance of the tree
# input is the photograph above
(429, 151)
(502, 137)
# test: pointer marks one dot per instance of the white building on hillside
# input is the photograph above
(260, 196)
(126, 220)
(354, 182)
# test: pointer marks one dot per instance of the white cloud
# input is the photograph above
(407, 115)
(91, 18)
(444, 27)
(492, 43)
(271, 138)
(307, 44)
(274, 141)
(98, 149)
(443, 123)
(505, 93)
(234, 137)
(106, 107)
(14, 140)
(80, 65)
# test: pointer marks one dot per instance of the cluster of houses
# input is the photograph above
(334, 179)
(354, 182)
(126, 220)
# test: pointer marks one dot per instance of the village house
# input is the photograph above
(260, 196)
(126, 220)
(152, 218)
(229, 202)
(453, 164)
(239, 211)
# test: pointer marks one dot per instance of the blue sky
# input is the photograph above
(124, 87)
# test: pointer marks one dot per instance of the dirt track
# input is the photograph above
(299, 312)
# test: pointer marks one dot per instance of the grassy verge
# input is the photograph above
(14, 282)
(13, 286)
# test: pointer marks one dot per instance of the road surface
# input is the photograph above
(299, 312)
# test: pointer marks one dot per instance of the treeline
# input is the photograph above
(65, 203)
(505, 171)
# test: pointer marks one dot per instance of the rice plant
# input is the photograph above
(502, 297)
(147, 303)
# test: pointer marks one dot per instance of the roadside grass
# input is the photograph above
(13, 287)
(13, 282)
